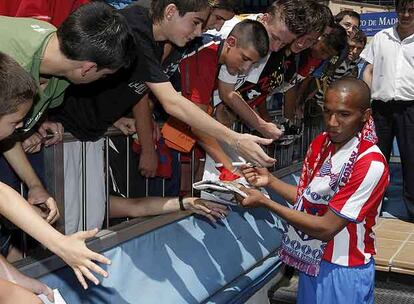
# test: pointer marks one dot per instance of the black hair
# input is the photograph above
(96, 32)
(16, 85)
(228, 5)
(251, 33)
(327, 15)
(336, 39)
(360, 37)
(338, 18)
(400, 5)
(318, 17)
(183, 6)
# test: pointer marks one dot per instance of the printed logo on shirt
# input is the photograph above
(138, 87)
(39, 29)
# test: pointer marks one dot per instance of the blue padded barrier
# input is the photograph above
(186, 262)
(248, 284)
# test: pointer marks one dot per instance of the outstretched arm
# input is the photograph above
(183, 109)
(147, 206)
(71, 248)
(246, 113)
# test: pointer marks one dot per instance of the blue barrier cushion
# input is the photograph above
(184, 262)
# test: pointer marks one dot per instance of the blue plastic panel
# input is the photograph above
(185, 262)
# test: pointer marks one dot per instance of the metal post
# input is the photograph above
(302, 142)
(163, 187)
(192, 170)
(282, 157)
(84, 198)
(54, 179)
(146, 187)
(127, 167)
(108, 205)
(24, 235)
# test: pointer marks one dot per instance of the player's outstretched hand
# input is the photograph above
(254, 198)
(257, 177)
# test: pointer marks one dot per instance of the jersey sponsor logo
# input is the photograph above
(346, 174)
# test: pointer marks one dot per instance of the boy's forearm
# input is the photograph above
(17, 159)
(290, 102)
(263, 112)
(19, 212)
(213, 148)
(183, 109)
(143, 124)
(239, 106)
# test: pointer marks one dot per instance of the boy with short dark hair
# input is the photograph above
(246, 44)
(17, 90)
(76, 52)
(298, 83)
(355, 47)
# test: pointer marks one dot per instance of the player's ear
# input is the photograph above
(231, 41)
(367, 115)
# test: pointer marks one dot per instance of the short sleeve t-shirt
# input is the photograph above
(393, 65)
(26, 44)
(90, 109)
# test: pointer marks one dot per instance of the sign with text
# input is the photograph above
(372, 23)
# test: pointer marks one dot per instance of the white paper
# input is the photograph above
(214, 193)
(58, 298)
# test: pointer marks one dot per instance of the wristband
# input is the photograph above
(181, 203)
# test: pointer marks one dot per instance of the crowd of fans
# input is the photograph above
(195, 67)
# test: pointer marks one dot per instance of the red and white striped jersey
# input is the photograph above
(358, 201)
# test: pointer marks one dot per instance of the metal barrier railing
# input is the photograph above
(286, 153)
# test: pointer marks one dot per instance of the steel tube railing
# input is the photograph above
(283, 154)
(84, 212)
(107, 203)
